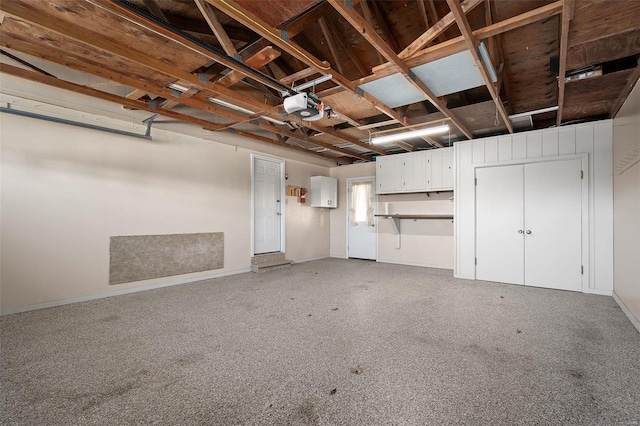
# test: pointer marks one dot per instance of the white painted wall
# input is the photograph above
(423, 242)
(308, 227)
(626, 207)
(338, 239)
(65, 190)
(595, 139)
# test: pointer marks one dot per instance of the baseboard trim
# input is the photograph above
(463, 277)
(635, 321)
(422, 265)
(597, 291)
(310, 260)
(121, 292)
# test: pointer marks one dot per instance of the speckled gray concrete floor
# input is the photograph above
(325, 342)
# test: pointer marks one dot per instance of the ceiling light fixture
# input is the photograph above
(486, 59)
(303, 86)
(412, 134)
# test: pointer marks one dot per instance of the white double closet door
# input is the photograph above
(529, 224)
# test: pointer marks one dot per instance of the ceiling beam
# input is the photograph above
(198, 101)
(368, 16)
(496, 43)
(254, 23)
(329, 39)
(88, 91)
(31, 13)
(631, 82)
(155, 9)
(457, 44)
(567, 16)
(472, 45)
(376, 41)
(337, 37)
(435, 18)
(210, 16)
(341, 160)
(438, 28)
(256, 60)
(290, 79)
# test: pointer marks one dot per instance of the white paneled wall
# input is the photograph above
(594, 139)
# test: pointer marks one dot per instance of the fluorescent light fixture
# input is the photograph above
(412, 134)
(484, 55)
(177, 87)
(530, 113)
(309, 84)
(244, 110)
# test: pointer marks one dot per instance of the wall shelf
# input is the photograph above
(395, 221)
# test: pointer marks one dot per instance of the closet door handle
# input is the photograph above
(528, 231)
(520, 231)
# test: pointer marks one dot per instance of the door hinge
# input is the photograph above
(581, 174)
(581, 269)
(476, 260)
(475, 180)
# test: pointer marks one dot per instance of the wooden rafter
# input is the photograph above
(423, 13)
(368, 16)
(567, 16)
(495, 44)
(155, 9)
(437, 29)
(458, 44)
(435, 18)
(216, 27)
(256, 60)
(281, 142)
(62, 84)
(198, 101)
(290, 79)
(253, 22)
(332, 46)
(472, 45)
(342, 47)
(170, 103)
(631, 82)
(136, 94)
(376, 41)
(81, 35)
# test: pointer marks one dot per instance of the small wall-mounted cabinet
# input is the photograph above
(324, 192)
(415, 172)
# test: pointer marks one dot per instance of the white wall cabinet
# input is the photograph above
(415, 172)
(324, 192)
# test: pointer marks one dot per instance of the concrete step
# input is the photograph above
(263, 259)
(269, 262)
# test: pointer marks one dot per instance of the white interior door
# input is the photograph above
(553, 224)
(361, 229)
(499, 219)
(267, 206)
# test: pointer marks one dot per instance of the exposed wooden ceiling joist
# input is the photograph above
(458, 44)
(567, 15)
(146, 106)
(631, 82)
(216, 27)
(376, 41)
(437, 29)
(472, 45)
(83, 35)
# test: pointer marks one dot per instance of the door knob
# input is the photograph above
(520, 231)
(528, 231)
(278, 213)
